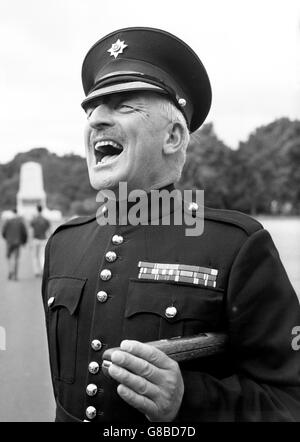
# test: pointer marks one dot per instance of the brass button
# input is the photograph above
(102, 296)
(91, 412)
(110, 256)
(171, 312)
(50, 301)
(117, 239)
(91, 390)
(96, 344)
(93, 367)
(181, 102)
(105, 274)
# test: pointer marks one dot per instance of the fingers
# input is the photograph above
(141, 403)
(156, 403)
(143, 360)
(148, 380)
(136, 365)
(136, 383)
(147, 352)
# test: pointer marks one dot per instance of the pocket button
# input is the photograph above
(50, 301)
(171, 312)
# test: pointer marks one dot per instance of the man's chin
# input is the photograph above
(101, 183)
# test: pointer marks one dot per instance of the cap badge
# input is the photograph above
(117, 48)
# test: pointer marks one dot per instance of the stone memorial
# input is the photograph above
(31, 192)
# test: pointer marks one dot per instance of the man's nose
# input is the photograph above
(101, 116)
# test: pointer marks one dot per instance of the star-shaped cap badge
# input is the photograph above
(117, 48)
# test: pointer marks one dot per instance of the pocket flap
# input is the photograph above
(190, 302)
(65, 292)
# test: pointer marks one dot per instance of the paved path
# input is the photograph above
(25, 384)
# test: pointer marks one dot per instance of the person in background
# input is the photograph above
(40, 226)
(15, 234)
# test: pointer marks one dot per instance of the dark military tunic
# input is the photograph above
(88, 311)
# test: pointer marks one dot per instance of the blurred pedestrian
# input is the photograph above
(40, 226)
(15, 233)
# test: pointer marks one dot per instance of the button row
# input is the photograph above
(91, 390)
(91, 412)
(94, 367)
(105, 275)
(96, 344)
(110, 256)
(102, 296)
(117, 239)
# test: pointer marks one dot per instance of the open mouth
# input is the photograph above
(107, 150)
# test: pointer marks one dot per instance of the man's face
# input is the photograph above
(124, 137)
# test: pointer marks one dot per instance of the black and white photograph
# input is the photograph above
(149, 214)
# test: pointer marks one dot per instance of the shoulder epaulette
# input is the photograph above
(78, 221)
(238, 219)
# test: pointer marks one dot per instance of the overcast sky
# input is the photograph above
(250, 49)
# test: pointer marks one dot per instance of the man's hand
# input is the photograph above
(149, 380)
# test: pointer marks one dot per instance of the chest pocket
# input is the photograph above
(64, 295)
(158, 310)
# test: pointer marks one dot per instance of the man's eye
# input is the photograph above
(89, 112)
(125, 107)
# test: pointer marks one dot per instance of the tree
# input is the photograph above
(207, 165)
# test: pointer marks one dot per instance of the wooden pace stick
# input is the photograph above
(181, 348)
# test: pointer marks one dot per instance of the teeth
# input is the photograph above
(100, 144)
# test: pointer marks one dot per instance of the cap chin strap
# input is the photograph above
(111, 84)
(121, 87)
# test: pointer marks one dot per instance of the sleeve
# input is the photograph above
(262, 312)
(46, 272)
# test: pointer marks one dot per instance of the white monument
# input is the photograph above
(31, 192)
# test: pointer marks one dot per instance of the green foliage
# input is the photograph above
(261, 176)
(207, 161)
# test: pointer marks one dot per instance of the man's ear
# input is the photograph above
(173, 138)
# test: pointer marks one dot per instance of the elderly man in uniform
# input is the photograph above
(146, 90)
